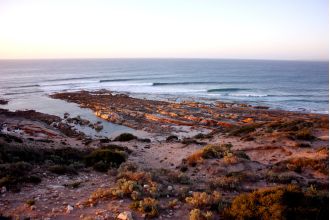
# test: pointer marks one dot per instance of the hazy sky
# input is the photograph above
(253, 29)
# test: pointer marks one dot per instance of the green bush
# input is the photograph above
(103, 159)
(125, 137)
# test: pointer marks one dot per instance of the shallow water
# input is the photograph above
(44, 104)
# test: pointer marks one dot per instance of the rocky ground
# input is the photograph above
(200, 161)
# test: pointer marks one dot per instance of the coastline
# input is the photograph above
(253, 147)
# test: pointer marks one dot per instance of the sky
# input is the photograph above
(236, 29)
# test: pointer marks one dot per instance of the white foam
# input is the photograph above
(247, 95)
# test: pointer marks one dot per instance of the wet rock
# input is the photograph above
(172, 138)
(146, 140)
(261, 107)
(3, 102)
(97, 127)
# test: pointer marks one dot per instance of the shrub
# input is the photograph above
(305, 134)
(135, 185)
(209, 152)
(203, 136)
(173, 203)
(197, 214)
(243, 130)
(73, 185)
(242, 154)
(5, 181)
(194, 158)
(68, 155)
(171, 176)
(293, 125)
(297, 164)
(139, 176)
(226, 183)
(283, 177)
(148, 206)
(188, 141)
(101, 166)
(101, 193)
(205, 200)
(279, 203)
(127, 166)
(215, 151)
(303, 145)
(17, 169)
(125, 137)
(230, 158)
(30, 202)
(128, 186)
(102, 159)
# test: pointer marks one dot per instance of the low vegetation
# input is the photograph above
(125, 137)
(197, 214)
(17, 162)
(304, 134)
(148, 206)
(30, 202)
(225, 183)
(243, 130)
(216, 151)
(103, 159)
(300, 163)
(209, 201)
(288, 202)
(131, 183)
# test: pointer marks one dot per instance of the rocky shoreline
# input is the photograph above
(200, 161)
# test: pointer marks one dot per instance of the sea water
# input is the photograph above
(288, 85)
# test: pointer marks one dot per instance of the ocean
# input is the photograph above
(289, 85)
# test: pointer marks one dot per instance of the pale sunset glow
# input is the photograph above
(253, 29)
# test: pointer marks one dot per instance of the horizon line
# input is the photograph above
(165, 58)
